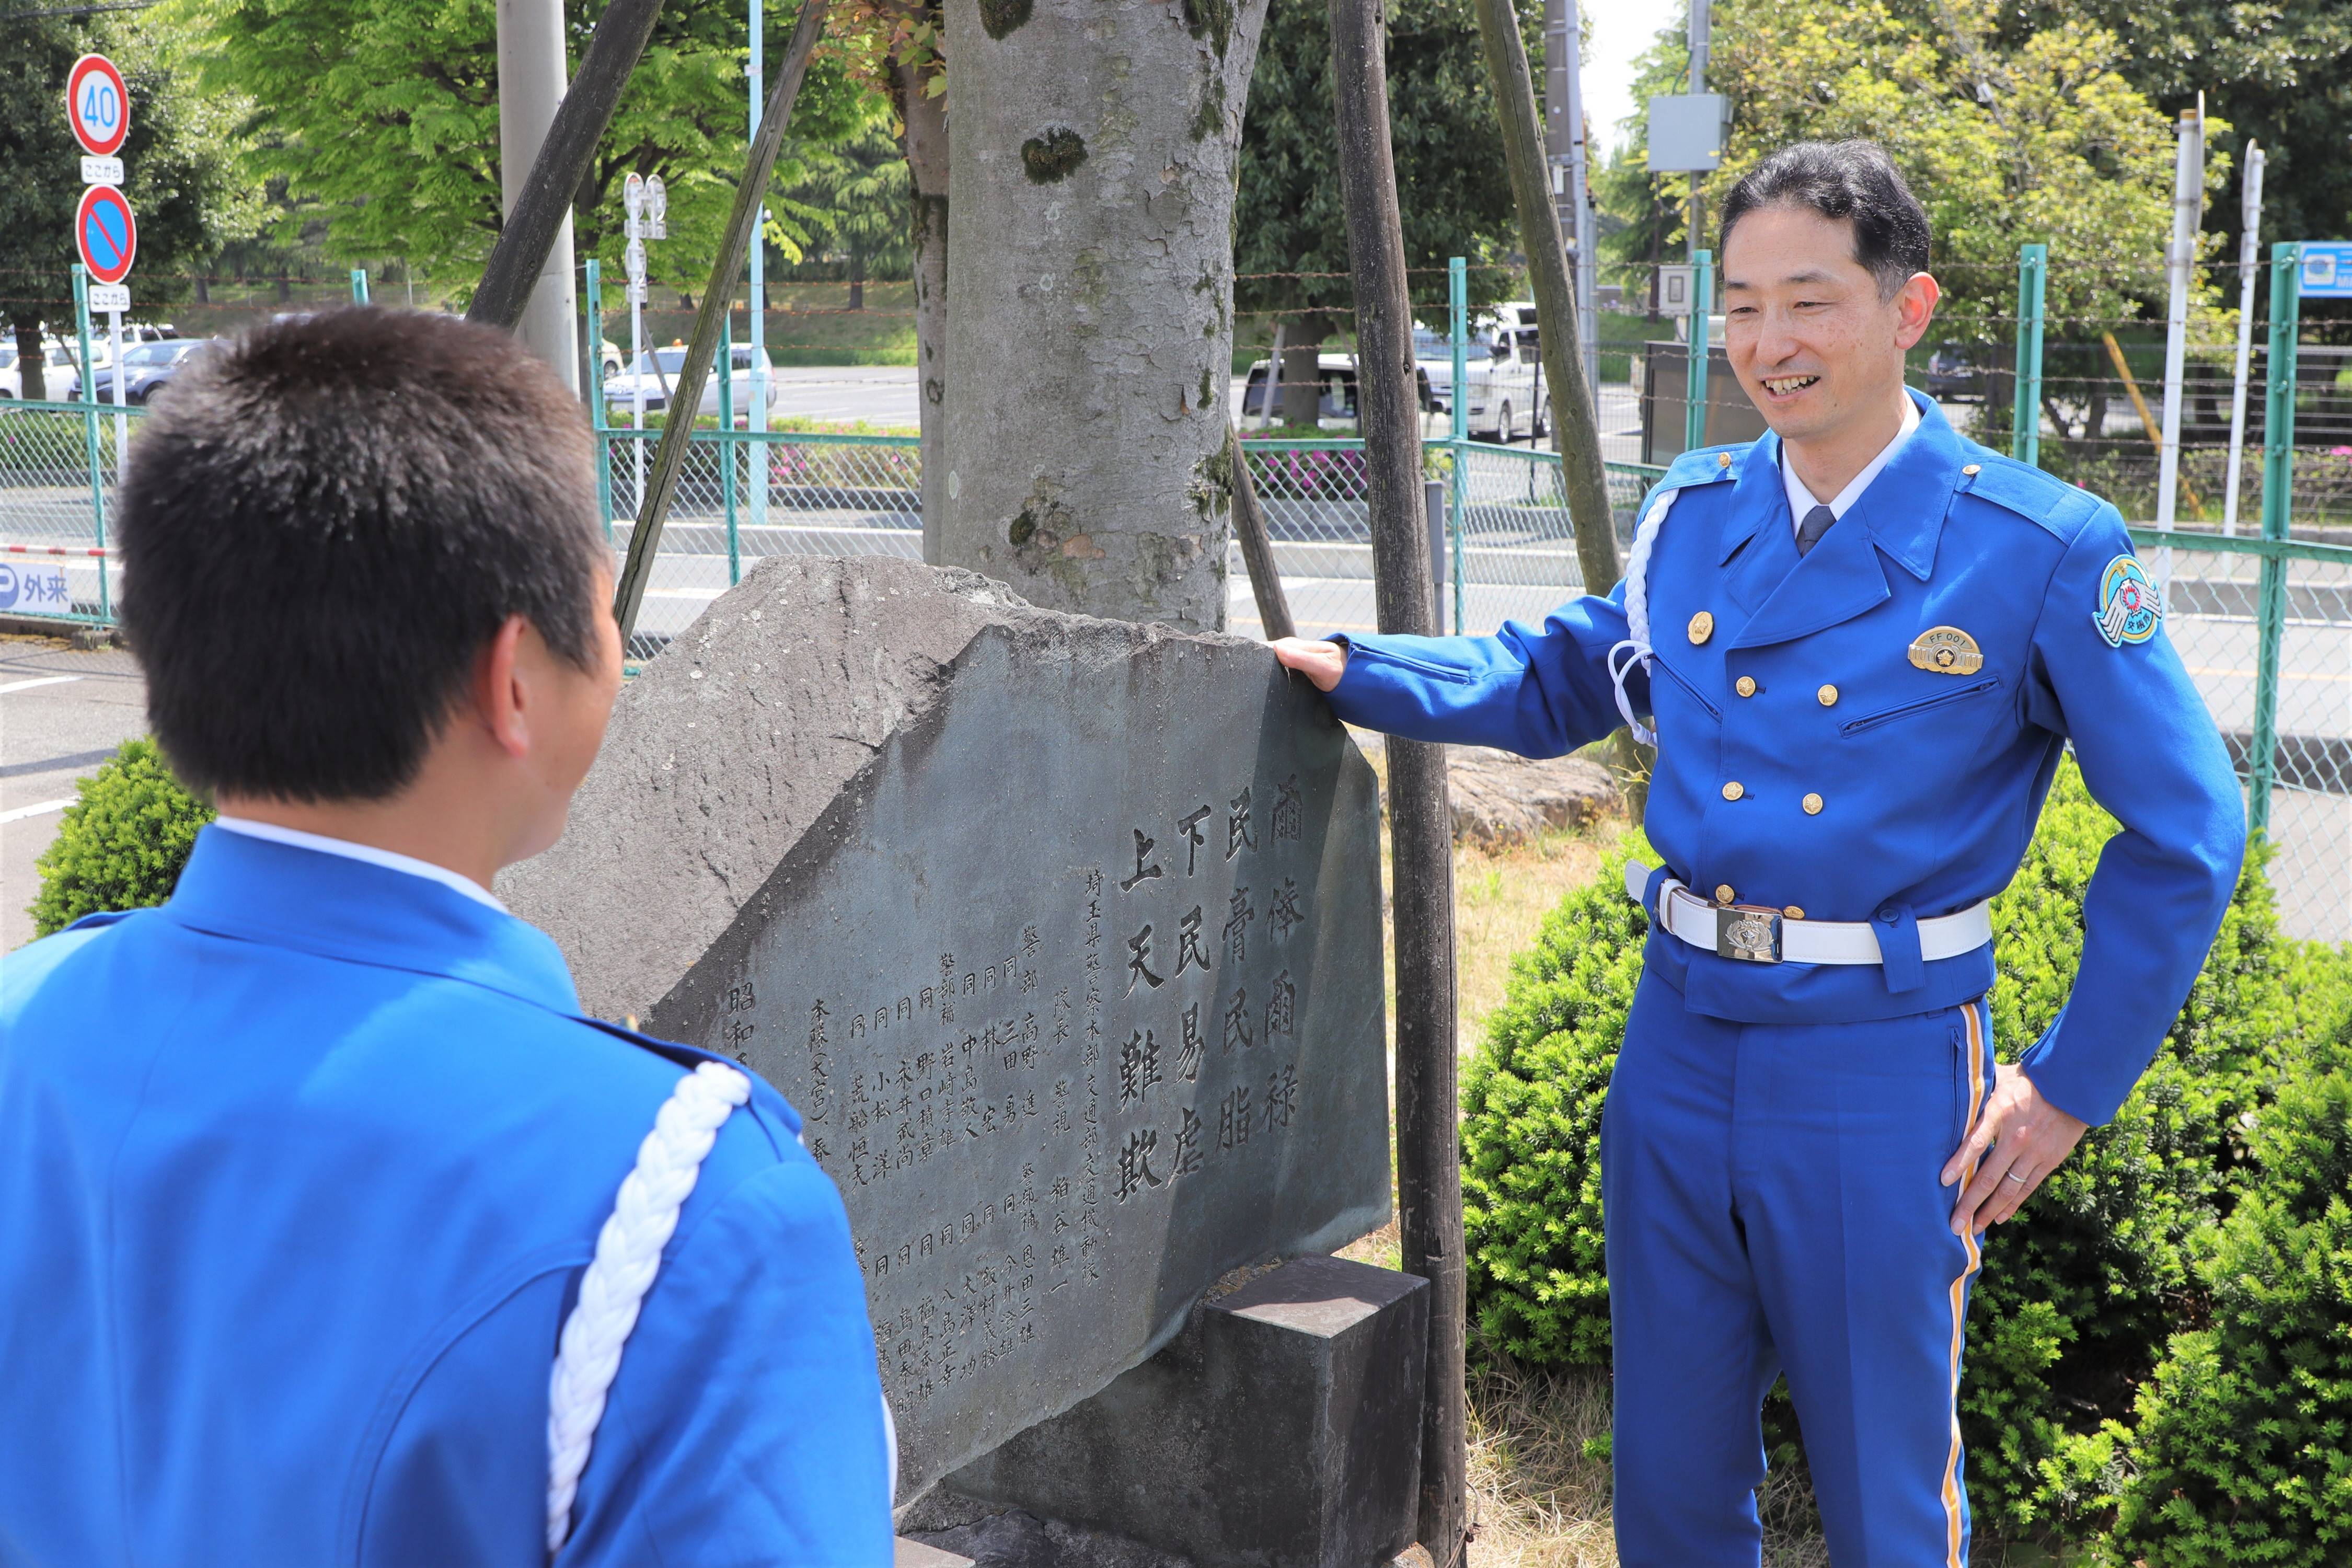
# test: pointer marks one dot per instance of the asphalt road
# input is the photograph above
(62, 712)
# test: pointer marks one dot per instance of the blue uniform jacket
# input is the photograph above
(298, 1176)
(1798, 691)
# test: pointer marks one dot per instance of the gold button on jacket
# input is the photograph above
(1745, 686)
(1734, 789)
(1702, 626)
(1812, 805)
(1723, 894)
(1828, 694)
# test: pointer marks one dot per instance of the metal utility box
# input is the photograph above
(1665, 376)
(1687, 131)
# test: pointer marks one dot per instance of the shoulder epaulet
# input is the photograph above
(2032, 494)
(1701, 466)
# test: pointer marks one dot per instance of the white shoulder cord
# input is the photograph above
(1637, 614)
(628, 1253)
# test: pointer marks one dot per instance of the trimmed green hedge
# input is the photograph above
(122, 844)
(2079, 1293)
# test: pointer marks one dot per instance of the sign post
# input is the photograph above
(633, 202)
(97, 107)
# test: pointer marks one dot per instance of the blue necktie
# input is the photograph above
(1809, 532)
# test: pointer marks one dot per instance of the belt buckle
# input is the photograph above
(1748, 933)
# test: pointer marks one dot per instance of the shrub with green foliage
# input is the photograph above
(2243, 1448)
(2077, 1294)
(122, 844)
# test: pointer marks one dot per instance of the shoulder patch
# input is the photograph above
(2128, 608)
(2032, 494)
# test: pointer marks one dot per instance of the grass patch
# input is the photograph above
(810, 324)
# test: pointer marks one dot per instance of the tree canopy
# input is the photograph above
(2041, 139)
(382, 121)
(1451, 182)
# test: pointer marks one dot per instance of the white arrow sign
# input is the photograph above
(633, 196)
(634, 258)
(656, 199)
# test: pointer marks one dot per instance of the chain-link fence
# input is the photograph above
(56, 475)
(2262, 615)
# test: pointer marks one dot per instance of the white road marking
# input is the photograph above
(28, 684)
(39, 808)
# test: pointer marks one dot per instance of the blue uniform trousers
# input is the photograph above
(1774, 1205)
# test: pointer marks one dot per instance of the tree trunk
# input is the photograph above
(1302, 372)
(1421, 828)
(31, 358)
(203, 290)
(857, 278)
(1090, 298)
(923, 137)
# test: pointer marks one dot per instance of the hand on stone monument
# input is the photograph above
(1320, 662)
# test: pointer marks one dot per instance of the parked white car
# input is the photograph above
(657, 368)
(1335, 403)
(1506, 394)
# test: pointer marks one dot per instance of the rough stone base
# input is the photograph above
(1281, 1429)
(1500, 798)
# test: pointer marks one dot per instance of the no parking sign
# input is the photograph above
(106, 233)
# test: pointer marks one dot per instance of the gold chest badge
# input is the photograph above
(1947, 650)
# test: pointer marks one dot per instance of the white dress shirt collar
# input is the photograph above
(367, 852)
(1803, 500)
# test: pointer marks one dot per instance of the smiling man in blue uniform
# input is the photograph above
(1863, 642)
(334, 1234)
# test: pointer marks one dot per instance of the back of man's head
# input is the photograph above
(1852, 181)
(323, 522)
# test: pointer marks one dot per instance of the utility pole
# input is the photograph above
(1565, 150)
(2180, 263)
(1699, 19)
(1421, 826)
(531, 80)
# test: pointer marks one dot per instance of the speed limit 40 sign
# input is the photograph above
(98, 105)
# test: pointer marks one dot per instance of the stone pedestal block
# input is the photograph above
(1280, 1429)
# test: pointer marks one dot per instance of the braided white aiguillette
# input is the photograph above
(628, 1253)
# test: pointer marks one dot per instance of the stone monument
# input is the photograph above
(1063, 935)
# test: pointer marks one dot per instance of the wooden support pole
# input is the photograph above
(580, 120)
(1257, 545)
(1428, 1169)
(1576, 428)
(718, 299)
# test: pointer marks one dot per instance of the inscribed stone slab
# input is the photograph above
(1063, 935)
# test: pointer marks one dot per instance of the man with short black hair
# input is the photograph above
(1865, 642)
(320, 1246)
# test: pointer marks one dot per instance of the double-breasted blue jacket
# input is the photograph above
(1808, 762)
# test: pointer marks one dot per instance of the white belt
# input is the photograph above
(1753, 933)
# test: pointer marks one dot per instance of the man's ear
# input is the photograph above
(1915, 309)
(501, 688)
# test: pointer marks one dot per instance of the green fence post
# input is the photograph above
(2026, 422)
(2278, 516)
(1695, 381)
(727, 444)
(90, 439)
(596, 421)
(358, 286)
(1457, 292)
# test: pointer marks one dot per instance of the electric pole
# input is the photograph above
(1566, 152)
(532, 80)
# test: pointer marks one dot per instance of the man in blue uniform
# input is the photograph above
(302, 1172)
(1863, 642)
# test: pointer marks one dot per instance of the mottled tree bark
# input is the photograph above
(1090, 299)
(923, 137)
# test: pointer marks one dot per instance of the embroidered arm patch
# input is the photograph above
(2129, 608)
